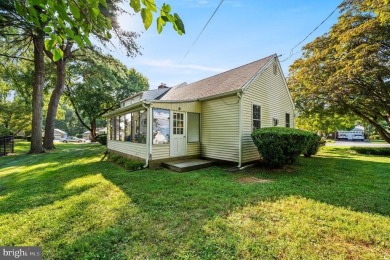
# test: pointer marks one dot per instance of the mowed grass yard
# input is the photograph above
(334, 206)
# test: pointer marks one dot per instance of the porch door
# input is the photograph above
(178, 137)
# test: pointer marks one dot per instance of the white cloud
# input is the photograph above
(169, 64)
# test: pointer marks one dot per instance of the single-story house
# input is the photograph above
(58, 134)
(212, 118)
(99, 131)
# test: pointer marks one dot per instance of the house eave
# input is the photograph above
(124, 109)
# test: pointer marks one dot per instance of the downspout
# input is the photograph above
(239, 94)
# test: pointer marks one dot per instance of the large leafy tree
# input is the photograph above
(347, 69)
(325, 122)
(54, 26)
(15, 96)
(97, 83)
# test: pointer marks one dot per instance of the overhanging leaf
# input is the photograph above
(74, 10)
(147, 17)
(136, 5)
(57, 54)
(150, 5)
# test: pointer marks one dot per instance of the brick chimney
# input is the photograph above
(162, 85)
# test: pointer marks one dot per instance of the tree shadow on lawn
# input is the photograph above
(99, 210)
(40, 182)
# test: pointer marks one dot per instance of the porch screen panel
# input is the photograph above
(135, 127)
(143, 123)
(128, 127)
(117, 129)
(193, 130)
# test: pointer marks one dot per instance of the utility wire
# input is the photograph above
(315, 29)
(203, 29)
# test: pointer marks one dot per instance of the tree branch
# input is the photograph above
(15, 57)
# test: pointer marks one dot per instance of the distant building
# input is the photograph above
(355, 134)
(99, 131)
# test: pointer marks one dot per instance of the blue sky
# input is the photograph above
(241, 31)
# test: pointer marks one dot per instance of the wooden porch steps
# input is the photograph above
(187, 165)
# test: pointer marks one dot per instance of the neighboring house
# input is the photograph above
(211, 118)
(99, 131)
(59, 134)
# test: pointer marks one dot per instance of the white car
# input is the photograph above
(72, 139)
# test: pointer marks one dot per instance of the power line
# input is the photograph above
(292, 50)
(203, 29)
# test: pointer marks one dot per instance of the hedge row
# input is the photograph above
(280, 146)
(372, 150)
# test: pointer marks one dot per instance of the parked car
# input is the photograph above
(358, 137)
(72, 139)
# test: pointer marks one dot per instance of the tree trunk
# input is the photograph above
(48, 141)
(37, 98)
(385, 134)
(93, 130)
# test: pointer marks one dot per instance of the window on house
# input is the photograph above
(275, 122)
(131, 127)
(256, 117)
(287, 120)
(193, 129)
(161, 126)
(178, 123)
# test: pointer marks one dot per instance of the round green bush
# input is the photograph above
(314, 145)
(102, 139)
(279, 146)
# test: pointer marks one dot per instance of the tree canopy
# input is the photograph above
(96, 84)
(347, 69)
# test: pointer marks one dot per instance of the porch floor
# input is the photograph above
(187, 165)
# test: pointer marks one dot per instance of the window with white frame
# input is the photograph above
(288, 120)
(256, 117)
(193, 129)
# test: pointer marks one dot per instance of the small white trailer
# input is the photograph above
(352, 135)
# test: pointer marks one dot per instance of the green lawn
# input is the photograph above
(334, 205)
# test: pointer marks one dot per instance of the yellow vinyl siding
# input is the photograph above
(219, 128)
(270, 92)
(160, 151)
(194, 107)
(134, 149)
(193, 149)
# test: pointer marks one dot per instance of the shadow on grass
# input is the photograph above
(79, 207)
(40, 179)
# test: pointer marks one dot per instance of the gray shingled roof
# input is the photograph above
(154, 93)
(221, 83)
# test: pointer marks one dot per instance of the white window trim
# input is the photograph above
(261, 114)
